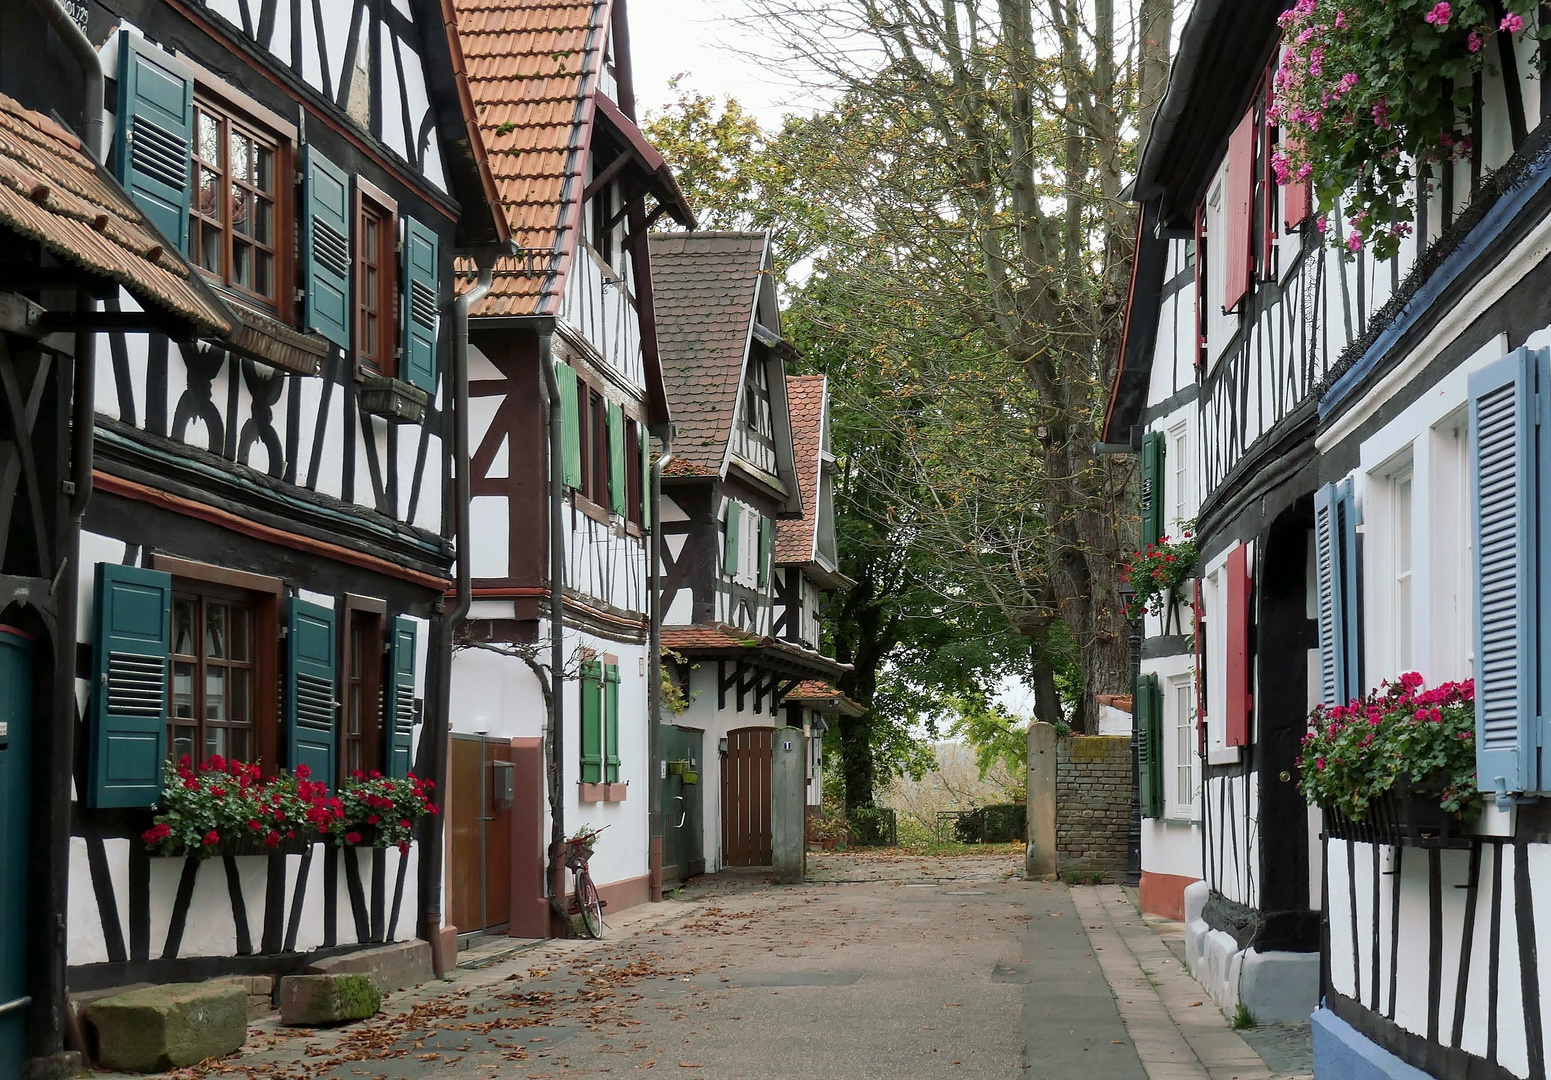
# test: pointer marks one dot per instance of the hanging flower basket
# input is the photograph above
(1158, 572)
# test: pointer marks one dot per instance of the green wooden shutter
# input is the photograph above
(1152, 499)
(153, 135)
(766, 546)
(618, 482)
(646, 479)
(418, 305)
(312, 644)
(592, 721)
(400, 698)
(131, 644)
(1149, 733)
(326, 248)
(1505, 486)
(611, 720)
(730, 554)
(570, 425)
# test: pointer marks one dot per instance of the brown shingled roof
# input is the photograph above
(529, 64)
(705, 286)
(796, 537)
(52, 192)
(721, 640)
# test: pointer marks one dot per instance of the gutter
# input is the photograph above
(435, 757)
(654, 672)
(544, 326)
(47, 1015)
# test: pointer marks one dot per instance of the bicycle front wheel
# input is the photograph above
(592, 907)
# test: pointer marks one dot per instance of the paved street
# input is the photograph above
(882, 968)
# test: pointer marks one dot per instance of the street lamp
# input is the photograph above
(1134, 836)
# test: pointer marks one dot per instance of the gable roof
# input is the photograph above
(797, 538)
(52, 192)
(534, 69)
(706, 286)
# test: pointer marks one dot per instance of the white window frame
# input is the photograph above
(1452, 600)
(1180, 484)
(1220, 325)
(1180, 757)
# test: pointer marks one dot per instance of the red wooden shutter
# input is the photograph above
(1236, 670)
(1239, 212)
(1201, 284)
(1296, 201)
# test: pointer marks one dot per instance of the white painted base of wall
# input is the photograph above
(1276, 987)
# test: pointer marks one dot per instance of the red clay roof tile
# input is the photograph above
(796, 537)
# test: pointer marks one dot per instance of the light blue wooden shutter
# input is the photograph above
(730, 553)
(1327, 562)
(618, 482)
(570, 425)
(131, 643)
(312, 644)
(611, 721)
(1349, 563)
(326, 248)
(153, 135)
(418, 305)
(591, 686)
(1503, 488)
(400, 699)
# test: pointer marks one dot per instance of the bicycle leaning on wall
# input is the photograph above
(584, 897)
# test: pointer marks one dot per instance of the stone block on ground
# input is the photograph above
(321, 1000)
(390, 967)
(168, 1027)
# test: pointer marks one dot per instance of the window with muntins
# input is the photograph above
(1182, 695)
(360, 741)
(212, 707)
(376, 287)
(1400, 562)
(238, 175)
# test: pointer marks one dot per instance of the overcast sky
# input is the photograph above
(694, 38)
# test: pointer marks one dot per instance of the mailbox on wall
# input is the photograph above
(503, 784)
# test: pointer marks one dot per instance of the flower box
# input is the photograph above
(1407, 814)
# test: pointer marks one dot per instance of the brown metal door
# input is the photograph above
(481, 837)
(746, 797)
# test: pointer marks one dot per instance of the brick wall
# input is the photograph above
(1093, 804)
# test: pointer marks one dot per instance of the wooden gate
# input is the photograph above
(746, 797)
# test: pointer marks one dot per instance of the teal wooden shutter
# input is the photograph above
(400, 698)
(1331, 580)
(611, 720)
(1149, 733)
(1347, 519)
(1152, 488)
(131, 643)
(617, 479)
(730, 554)
(153, 135)
(1504, 488)
(312, 643)
(419, 303)
(646, 479)
(326, 248)
(592, 721)
(766, 544)
(570, 425)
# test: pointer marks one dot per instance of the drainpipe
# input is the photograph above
(435, 758)
(49, 1021)
(556, 867)
(654, 670)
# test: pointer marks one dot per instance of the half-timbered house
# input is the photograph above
(266, 553)
(807, 569)
(1235, 313)
(733, 475)
(566, 395)
(1395, 409)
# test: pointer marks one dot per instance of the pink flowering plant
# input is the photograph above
(1369, 92)
(1157, 571)
(1400, 733)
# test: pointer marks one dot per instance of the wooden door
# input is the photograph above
(481, 860)
(746, 797)
(15, 770)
